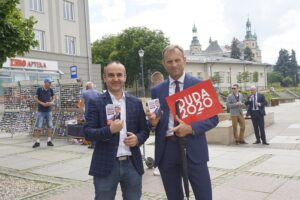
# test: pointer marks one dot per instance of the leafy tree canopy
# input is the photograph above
(235, 50)
(16, 32)
(125, 46)
(287, 67)
(248, 54)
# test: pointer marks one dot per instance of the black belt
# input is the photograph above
(171, 138)
(123, 158)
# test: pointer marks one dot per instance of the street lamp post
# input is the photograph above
(141, 54)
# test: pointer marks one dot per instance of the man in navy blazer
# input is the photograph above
(117, 157)
(256, 109)
(167, 156)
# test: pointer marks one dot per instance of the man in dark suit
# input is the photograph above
(256, 109)
(117, 157)
(167, 156)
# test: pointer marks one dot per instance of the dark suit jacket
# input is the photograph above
(197, 149)
(96, 129)
(260, 99)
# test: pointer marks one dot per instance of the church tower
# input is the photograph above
(251, 42)
(195, 47)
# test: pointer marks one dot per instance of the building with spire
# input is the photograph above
(251, 42)
(195, 47)
(215, 61)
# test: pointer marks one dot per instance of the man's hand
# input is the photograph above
(182, 129)
(153, 119)
(131, 140)
(116, 126)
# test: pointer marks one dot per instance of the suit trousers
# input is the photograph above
(170, 171)
(259, 125)
(238, 120)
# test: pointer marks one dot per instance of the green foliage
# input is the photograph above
(288, 68)
(248, 54)
(255, 77)
(287, 81)
(245, 76)
(239, 78)
(103, 50)
(216, 78)
(16, 32)
(235, 50)
(125, 46)
(274, 77)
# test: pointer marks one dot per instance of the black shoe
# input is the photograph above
(36, 144)
(265, 143)
(50, 144)
(257, 142)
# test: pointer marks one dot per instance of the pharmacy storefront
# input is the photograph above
(18, 69)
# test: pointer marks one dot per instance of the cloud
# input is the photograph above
(274, 21)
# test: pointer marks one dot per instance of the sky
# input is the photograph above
(276, 22)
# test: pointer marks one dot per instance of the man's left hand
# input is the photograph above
(131, 140)
(182, 129)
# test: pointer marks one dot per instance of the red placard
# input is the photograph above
(196, 103)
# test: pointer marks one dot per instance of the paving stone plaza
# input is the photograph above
(238, 172)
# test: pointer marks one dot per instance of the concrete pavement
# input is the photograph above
(238, 172)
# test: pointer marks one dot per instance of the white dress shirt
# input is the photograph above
(172, 86)
(123, 150)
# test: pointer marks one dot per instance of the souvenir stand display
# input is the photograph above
(20, 107)
(69, 96)
(11, 107)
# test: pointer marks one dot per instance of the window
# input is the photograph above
(199, 75)
(228, 78)
(36, 5)
(68, 10)
(70, 45)
(40, 37)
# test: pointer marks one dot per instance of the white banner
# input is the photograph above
(26, 63)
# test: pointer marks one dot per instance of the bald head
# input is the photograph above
(89, 85)
(253, 89)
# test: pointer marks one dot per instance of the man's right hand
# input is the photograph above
(153, 119)
(116, 126)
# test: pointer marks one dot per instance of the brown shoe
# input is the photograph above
(243, 142)
(236, 142)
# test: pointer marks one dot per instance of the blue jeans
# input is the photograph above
(40, 119)
(124, 173)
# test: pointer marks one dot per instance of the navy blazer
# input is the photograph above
(261, 100)
(96, 129)
(197, 149)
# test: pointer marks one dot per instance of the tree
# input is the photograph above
(293, 68)
(130, 41)
(16, 32)
(104, 50)
(216, 79)
(287, 81)
(274, 77)
(235, 50)
(282, 63)
(255, 77)
(248, 55)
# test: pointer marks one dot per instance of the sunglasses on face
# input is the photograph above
(233, 88)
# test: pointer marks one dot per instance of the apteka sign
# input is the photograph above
(196, 103)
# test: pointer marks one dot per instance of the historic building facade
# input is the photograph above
(215, 61)
(63, 33)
